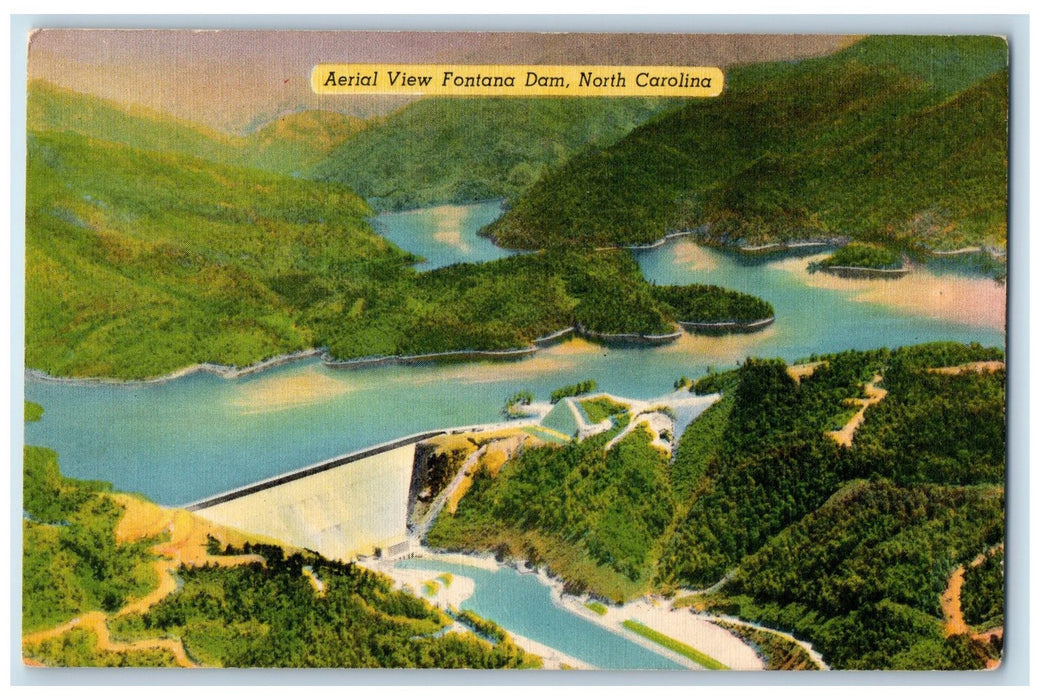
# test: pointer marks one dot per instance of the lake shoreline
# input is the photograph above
(861, 272)
(630, 338)
(453, 592)
(229, 372)
(233, 372)
(727, 326)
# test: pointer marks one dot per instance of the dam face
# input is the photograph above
(339, 511)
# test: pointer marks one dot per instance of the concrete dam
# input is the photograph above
(341, 508)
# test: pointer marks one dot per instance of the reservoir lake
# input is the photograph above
(182, 440)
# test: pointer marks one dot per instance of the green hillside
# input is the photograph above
(895, 138)
(139, 263)
(594, 517)
(849, 548)
(862, 576)
(72, 562)
(50, 108)
(290, 144)
(462, 150)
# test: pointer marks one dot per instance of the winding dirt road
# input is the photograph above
(186, 545)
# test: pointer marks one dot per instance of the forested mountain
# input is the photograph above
(901, 140)
(290, 144)
(139, 262)
(468, 149)
(849, 547)
(594, 517)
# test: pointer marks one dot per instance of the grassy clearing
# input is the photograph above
(599, 409)
(596, 607)
(675, 645)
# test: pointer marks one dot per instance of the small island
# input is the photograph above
(868, 260)
(709, 309)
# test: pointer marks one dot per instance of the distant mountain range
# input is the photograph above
(154, 243)
(291, 144)
(465, 150)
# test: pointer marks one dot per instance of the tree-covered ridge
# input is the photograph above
(71, 560)
(772, 465)
(697, 447)
(862, 576)
(269, 615)
(775, 465)
(593, 516)
(982, 596)
(889, 550)
(849, 548)
(139, 263)
(78, 579)
(859, 571)
(862, 144)
(439, 150)
(874, 541)
(936, 178)
(946, 428)
(504, 304)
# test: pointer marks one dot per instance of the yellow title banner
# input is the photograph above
(515, 80)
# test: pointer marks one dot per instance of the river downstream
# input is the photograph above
(523, 605)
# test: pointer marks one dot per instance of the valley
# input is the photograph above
(510, 383)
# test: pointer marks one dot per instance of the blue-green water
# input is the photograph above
(193, 437)
(521, 604)
(443, 235)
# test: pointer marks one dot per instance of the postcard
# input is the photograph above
(502, 350)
